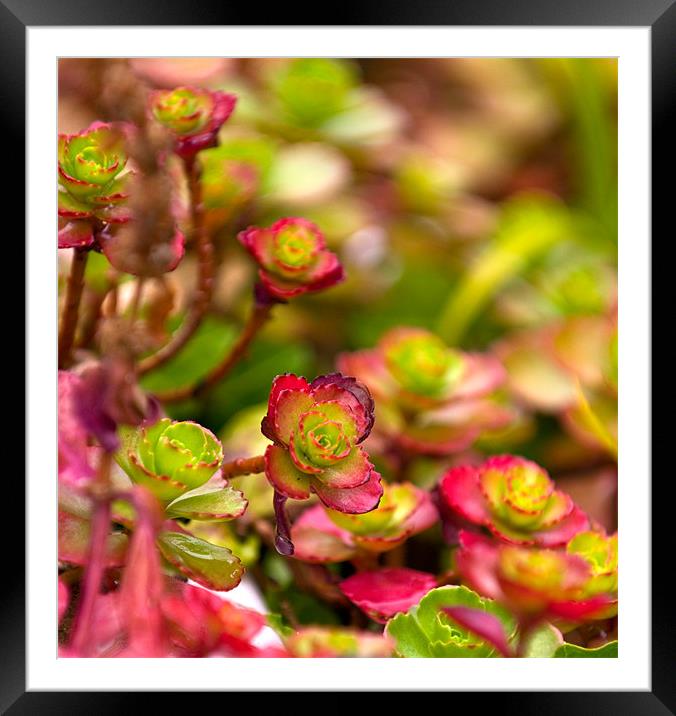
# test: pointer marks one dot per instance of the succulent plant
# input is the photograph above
(431, 399)
(93, 181)
(545, 583)
(515, 499)
(600, 552)
(317, 429)
(169, 457)
(192, 115)
(426, 630)
(404, 510)
(292, 258)
(335, 642)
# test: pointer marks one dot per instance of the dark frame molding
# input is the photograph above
(659, 15)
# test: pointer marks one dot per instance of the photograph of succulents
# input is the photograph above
(337, 358)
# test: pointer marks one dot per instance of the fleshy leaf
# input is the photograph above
(207, 564)
(486, 626)
(572, 651)
(543, 642)
(425, 631)
(384, 593)
(213, 505)
(318, 539)
(326, 642)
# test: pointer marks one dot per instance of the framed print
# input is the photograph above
(341, 370)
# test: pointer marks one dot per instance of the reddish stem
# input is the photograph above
(283, 543)
(243, 466)
(96, 557)
(96, 563)
(90, 319)
(364, 561)
(205, 281)
(72, 305)
(136, 298)
(258, 318)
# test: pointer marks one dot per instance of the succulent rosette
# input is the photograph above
(530, 581)
(169, 457)
(333, 642)
(292, 258)
(325, 535)
(600, 552)
(427, 629)
(515, 499)
(93, 178)
(432, 400)
(194, 116)
(317, 429)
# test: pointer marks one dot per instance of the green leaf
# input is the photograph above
(424, 631)
(529, 226)
(207, 564)
(250, 380)
(96, 272)
(209, 505)
(571, 651)
(278, 623)
(257, 151)
(411, 640)
(543, 642)
(307, 174)
(204, 351)
(369, 118)
(311, 90)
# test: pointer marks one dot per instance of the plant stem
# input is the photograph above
(136, 298)
(72, 306)
(526, 628)
(205, 281)
(364, 561)
(257, 319)
(96, 558)
(90, 318)
(243, 466)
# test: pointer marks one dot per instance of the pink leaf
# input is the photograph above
(485, 625)
(384, 593)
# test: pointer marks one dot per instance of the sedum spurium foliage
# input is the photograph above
(192, 115)
(600, 552)
(432, 399)
(515, 499)
(382, 510)
(317, 429)
(170, 457)
(533, 582)
(327, 535)
(426, 631)
(404, 510)
(317, 642)
(292, 258)
(93, 181)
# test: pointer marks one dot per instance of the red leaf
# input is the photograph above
(384, 593)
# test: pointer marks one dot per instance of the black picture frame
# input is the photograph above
(659, 15)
